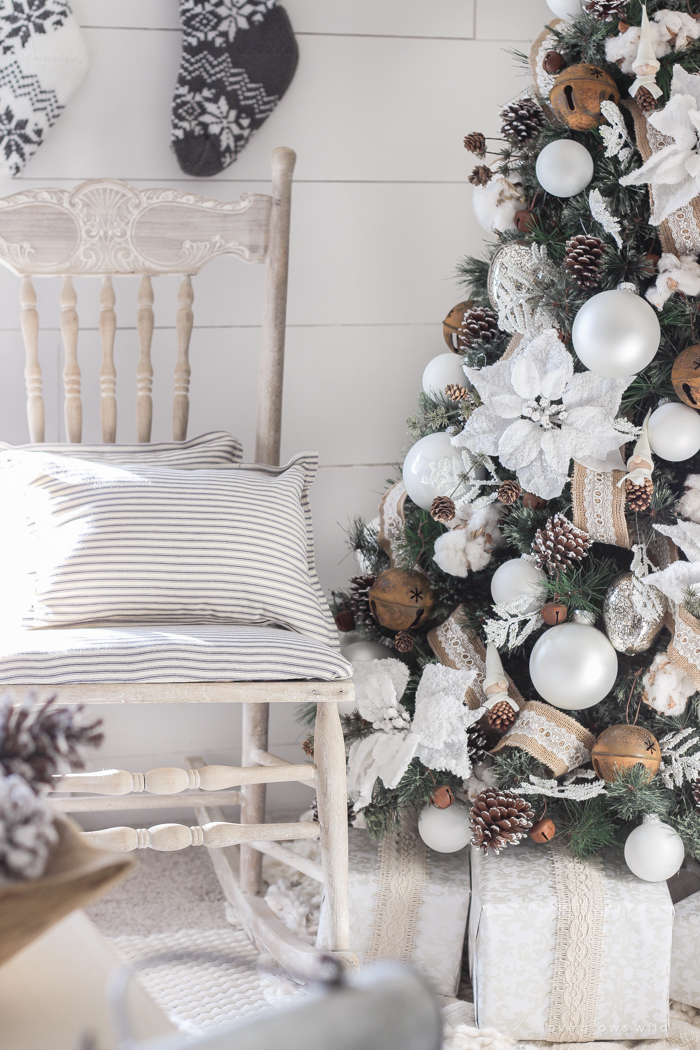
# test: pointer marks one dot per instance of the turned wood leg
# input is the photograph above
(329, 758)
(256, 718)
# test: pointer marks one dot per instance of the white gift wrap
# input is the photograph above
(513, 928)
(440, 918)
(685, 957)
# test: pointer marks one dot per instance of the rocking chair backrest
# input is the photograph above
(105, 228)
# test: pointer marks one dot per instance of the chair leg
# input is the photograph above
(256, 718)
(329, 758)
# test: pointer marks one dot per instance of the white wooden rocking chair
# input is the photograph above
(103, 228)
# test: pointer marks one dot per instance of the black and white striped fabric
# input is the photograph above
(207, 653)
(111, 544)
(207, 450)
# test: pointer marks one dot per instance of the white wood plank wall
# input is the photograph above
(384, 93)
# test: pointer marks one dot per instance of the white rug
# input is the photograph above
(173, 903)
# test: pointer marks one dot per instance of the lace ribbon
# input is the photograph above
(578, 952)
(401, 881)
(391, 519)
(680, 233)
(599, 505)
(550, 736)
(684, 650)
(457, 647)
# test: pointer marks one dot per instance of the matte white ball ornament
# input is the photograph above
(573, 666)
(564, 168)
(440, 372)
(416, 468)
(565, 8)
(445, 830)
(654, 851)
(674, 432)
(519, 576)
(616, 333)
(355, 652)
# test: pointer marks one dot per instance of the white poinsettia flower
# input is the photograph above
(537, 415)
(679, 576)
(674, 171)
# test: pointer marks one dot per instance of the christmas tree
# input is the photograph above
(535, 577)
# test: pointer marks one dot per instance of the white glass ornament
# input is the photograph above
(573, 666)
(416, 467)
(674, 432)
(565, 8)
(616, 333)
(516, 577)
(364, 650)
(564, 168)
(445, 830)
(441, 371)
(654, 851)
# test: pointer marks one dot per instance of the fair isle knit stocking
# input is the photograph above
(238, 59)
(42, 61)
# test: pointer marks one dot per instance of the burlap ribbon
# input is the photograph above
(550, 736)
(392, 520)
(462, 649)
(684, 650)
(599, 505)
(680, 233)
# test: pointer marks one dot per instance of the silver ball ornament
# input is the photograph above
(416, 468)
(654, 851)
(616, 333)
(573, 666)
(564, 168)
(516, 577)
(633, 614)
(445, 830)
(674, 432)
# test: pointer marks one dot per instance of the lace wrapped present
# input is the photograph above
(568, 951)
(407, 902)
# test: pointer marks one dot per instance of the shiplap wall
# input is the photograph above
(384, 93)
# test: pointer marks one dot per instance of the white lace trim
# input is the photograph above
(682, 224)
(599, 505)
(391, 519)
(401, 881)
(555, 739)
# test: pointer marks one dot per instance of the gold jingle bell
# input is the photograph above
(401, 599)
(452, 324)
(685, 376)
(621, 747)
(578, 92)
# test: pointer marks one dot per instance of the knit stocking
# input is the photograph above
(42, 61)
(238, 59)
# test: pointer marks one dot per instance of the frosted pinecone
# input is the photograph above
(582, 260)
(607, 10)
(359, 600)
(559, 544)
(499, 819)
(479, 325)
(522, 120)
(27, 830)
(38, 741)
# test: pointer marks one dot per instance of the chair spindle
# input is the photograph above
(73, 406)
(108, 373)
(181, 403)
(144, 369)
(32, 368)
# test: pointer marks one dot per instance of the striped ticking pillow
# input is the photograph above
(207, 450)
(131, 544)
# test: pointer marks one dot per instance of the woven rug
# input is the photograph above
(173, 903)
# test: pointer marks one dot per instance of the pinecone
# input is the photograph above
(559, 544)
(638, 497)
(509, 492)
(475, 143)
(522, 120)
(582, 258)
(501, 716)
(359, 599)
(37, 742)
(314, 812)
(480, 324)
(477, 744)
(499, 819)
(403, 642)
(607, 10)
(456, 392)
(308, 746)
(696, 793)
(481, 175)
(442, 509)
(645, 100)
(27, 830)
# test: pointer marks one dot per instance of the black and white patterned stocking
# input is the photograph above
(238, 59)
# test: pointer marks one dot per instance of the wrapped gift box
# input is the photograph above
(407, 902)
(685, 956)
(564, 950)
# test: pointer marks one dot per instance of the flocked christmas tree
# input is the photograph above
(534, 580)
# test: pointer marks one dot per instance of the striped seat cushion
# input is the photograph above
(164, 654)
(207, 450)
(107, 544)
